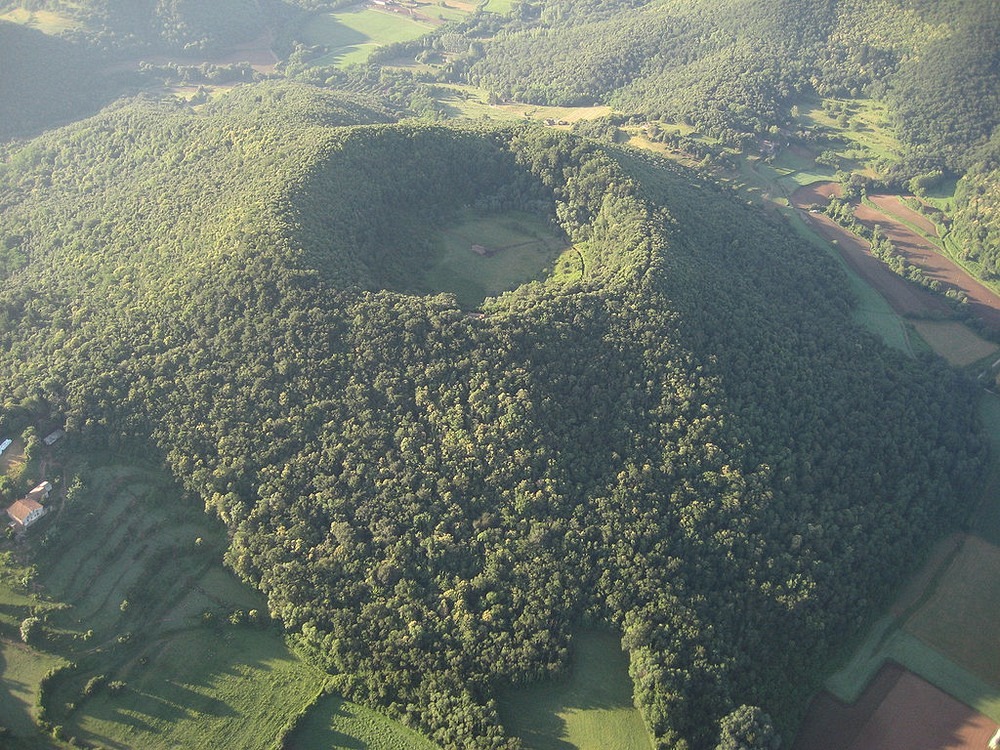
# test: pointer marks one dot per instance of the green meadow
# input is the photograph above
(591, 710)
(352, 35)
(521, 248)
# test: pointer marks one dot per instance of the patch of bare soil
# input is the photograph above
(983, 302)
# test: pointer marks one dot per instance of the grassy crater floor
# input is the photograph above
(484, 254)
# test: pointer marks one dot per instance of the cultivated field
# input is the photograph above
(898, 711)
(171, 651)
(983, 302)
(955, 342)
(592, 710)
(906, 298)
(521, 247)
(352, 35)
(961, 619)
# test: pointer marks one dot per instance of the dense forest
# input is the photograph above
(691, 444)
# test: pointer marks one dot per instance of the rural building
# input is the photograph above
(25, 512)
(52, 437)
(41, 492)
(5, 445)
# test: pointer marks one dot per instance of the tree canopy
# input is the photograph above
(690, 442)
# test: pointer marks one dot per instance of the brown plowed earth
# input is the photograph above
(833, 725)
(892, 205)
(983, 302)
(898, 711)
(904, 297)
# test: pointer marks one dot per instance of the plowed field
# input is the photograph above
(898, 711)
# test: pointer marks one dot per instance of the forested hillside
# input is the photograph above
(689, 443)
(733, 70)
(45, 81)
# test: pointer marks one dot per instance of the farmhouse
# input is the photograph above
(40, 493)
(25, 512)
(53, 437)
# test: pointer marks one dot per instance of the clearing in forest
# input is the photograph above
(591, 710)
(351, 35)
(483, 255)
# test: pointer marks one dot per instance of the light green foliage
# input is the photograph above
(590, 709)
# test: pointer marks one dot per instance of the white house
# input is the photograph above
(25, 512)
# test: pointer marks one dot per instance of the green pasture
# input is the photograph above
(524, 248)
(220, 686)
(955, 342)
(591, 710)
(866, 134)
(46, 21)
(336, 723)
(961, 616)
(498, 6)
(131, 589)
(352, 35)
(21, 673)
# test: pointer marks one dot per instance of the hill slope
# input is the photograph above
(688, 442)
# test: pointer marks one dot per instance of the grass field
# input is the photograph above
(862, 125)
(336, 723)
(592, 710)
(471, 102)
(524, 248)
(132, 590)
(498, 6)
(45, 21)
(960, 619)
(352, 35)
(955, 342)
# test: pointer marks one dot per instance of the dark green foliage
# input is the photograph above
(180, 25)
(46, 81)
(691, 444)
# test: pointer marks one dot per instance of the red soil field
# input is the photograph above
(833, 725)
(984, 303)
(898, 711)
(904, 297)
(892, 205)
